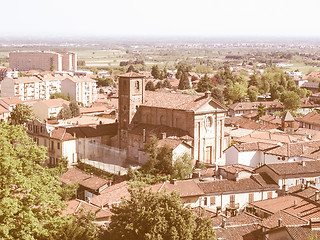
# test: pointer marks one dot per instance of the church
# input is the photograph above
(192, 123)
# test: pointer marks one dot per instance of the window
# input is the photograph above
(209, 122)
(137, 85)
(269, 195)
(58, 145)
(52, 145)
(205, 201)
(232, 200)
(212, 200)
(45, 142)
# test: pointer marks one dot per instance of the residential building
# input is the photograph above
(89, 185)
(196, 117)
(312, 86)
(310, 121)
(81, 89)
(10, 103)
(238, 109)
(26, 88)
(230, 196)
(51, 84)
(43, 60)
(4, 114)
(48, 108)
(290, 174)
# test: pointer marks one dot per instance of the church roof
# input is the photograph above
(288, 117)
(132, 75)
(177, 101)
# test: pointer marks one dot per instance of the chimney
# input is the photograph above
(163, 135)
(317, 195)
(303, 187)
(144, 135)
(207, 94)
(279, 222)
(295, 202)
(223, 223)
(237, 175)
(303, 163)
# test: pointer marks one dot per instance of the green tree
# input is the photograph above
(184, 81)
(155, 72)
(65, 112)
(261, 110)
(182, 167)
(159, 85)
(205, 84)
(74, 108)
(60, 95)
(53, 68)
(21, 114)
(253, 94)
(150, 86)
(30, 204)
(167, 84)
(217, 93)
(159, 216)
(291, 100)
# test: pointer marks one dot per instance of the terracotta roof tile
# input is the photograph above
(236, 167)
(75, 175)
(178, 101)
(55, 102)
(295, 149)
(301, 232)
(311, 118)
(60, 133)
(287, 219)
(254, 105)
(11, 101)
(132, 75)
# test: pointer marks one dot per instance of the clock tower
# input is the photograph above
(131, 95)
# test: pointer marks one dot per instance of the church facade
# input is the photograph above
(179, 120)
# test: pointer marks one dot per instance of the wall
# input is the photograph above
(7, 88)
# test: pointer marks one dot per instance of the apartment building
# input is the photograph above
(43, 60)
(26, 88)
(81, 89)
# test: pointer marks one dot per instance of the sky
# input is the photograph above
(165, 18)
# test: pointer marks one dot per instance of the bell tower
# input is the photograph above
(131, 95)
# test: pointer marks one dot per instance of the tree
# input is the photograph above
(131, 69)
(159, 85)
(159, 216)
(74, 108)
(65, 112)
(205, 84)
(184, 81)
(60, 95)
(167, 84)
(30, 204)
(253, 94)
(261, 110)
(217, 93)
(155, 72)
(21, 114)
(290, 100)
(182, 167)
(150, 86)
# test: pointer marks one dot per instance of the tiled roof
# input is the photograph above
(11, 101)
(287, 219)
(79, 79)
(254, 105)
(173, 143)
(302, 232)
(75, 175)
(3, 110)
(60, 133)
(254, 146)
(97, 109)
(243, 218)
(186, 188)
(288, 117)
(247, 124)
(310, 85)
(75, 207)
(311, 118)
(295, 149)
(276, 204)
(112, 194)
(178, 101)
(255, 182)
(24, 80)
(90, 120)
(247, 232)
(55, 102)
(132, 75)
(157, 130)
(94, 131)
(295, 168)
(236, 167)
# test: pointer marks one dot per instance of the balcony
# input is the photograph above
(232, 206)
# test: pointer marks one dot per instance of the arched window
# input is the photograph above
(209, 122)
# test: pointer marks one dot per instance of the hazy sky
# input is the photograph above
(178, 18)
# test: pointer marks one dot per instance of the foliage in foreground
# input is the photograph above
(158, 216)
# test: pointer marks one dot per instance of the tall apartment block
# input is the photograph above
(43, 60)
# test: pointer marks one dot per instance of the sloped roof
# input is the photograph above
(60, 133)
(288, 117)
(255, 182)
(55, 102)
(247, 232)
(287, 219)
(254, 105)
(236, 167)
(254, 146)
(11, 100)
(75, 175)
(132, 75)
(178, 101)
(75, 207)
(186, 188)
(94, 131)
(312, 118)
(295, 149)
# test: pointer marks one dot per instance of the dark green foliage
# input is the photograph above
(104, 82)
(150, 86)
(65, 112)
(167, 84)
(155, 72)
(158, 216)
(217, 93)
(74, 108)
(131, 69)
(290, 100)
(184, 81)
(261, 110)
(21, 114)
(159, 85)
(60, 95)
(205, 84)
(253, 94)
